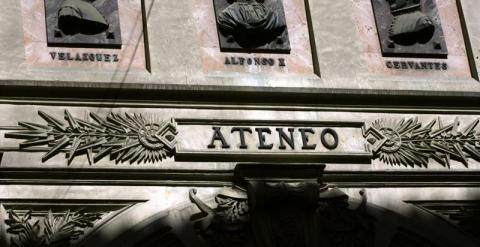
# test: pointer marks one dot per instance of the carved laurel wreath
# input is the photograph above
(126, 138)
(410, 143)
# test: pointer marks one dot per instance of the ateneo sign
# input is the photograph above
(272, 142)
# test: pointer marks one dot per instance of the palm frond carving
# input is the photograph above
(411, 143)
(126, 138)
(50, 231)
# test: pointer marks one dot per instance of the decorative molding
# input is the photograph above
(411, 143)
(222, 178)
(136, 138)
(51, 230)
(464, 214)
(132, 138)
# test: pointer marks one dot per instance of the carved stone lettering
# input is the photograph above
(85, 57)
(270, 142)
(241, 131)
(257, 61)
(218, 136)
(415, 65)
(267, 139)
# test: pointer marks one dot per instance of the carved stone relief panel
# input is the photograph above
(409, 28)
(59, 229)
(83, 23)
(96, 34)
(254, 37)
(412, 38)
(48, 223)
(132, 138)
(252, 26)
(409, 142)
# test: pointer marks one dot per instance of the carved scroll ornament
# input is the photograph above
(130, 138)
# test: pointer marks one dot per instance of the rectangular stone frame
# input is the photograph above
(111, 38)
(434, 48)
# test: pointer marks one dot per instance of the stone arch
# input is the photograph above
(174, 228)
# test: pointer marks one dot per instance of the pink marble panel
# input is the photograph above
(298, 62)
(457, 61)
(38, 54)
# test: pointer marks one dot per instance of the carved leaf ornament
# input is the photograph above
(53, 230)
(135, 138)
(411, 143)
(126, 138)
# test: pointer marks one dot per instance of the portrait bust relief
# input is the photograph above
(77, 16)
(83, 23)
(252, 25)
(409, 28)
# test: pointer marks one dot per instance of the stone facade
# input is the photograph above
(309, 137)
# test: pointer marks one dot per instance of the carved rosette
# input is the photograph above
(49, 230)
(411, 143)
(130, 138)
